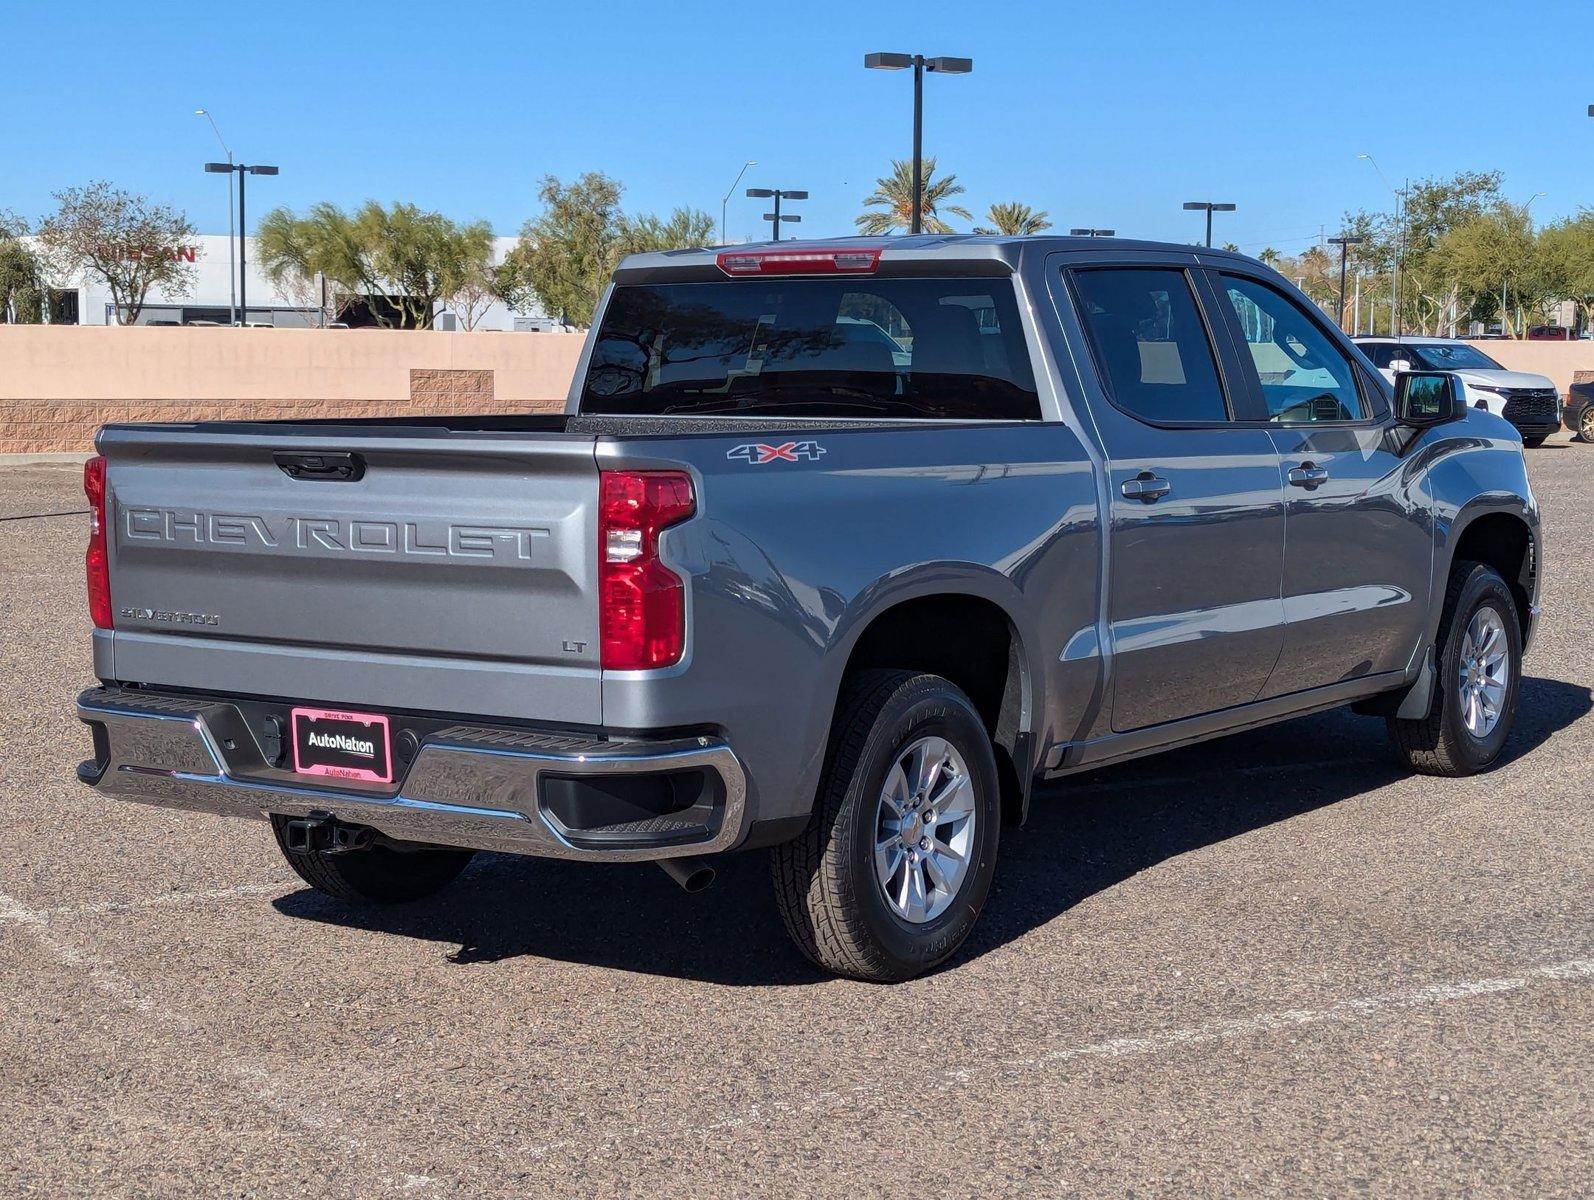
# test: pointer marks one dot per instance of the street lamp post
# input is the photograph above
(232, 268)
(752, 162)
(1343, 243)
(776, 217)
(241, 170)
(920, 64)
(1209, 207)
(1091, 232)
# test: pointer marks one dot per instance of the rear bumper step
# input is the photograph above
(514, 791)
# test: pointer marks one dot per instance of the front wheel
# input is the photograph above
(1533, 443)
(893, 869)
(1585, 424)
(1479, 663)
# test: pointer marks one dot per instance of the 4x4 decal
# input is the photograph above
(757, 453)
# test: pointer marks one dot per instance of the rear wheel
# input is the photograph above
(390, 873)
(1479, 663)
(893, 869)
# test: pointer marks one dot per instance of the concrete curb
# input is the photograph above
(44, 460)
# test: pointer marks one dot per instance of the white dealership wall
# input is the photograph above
(210, 290)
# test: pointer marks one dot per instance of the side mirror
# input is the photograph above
(1424, 398)
(1400, 364)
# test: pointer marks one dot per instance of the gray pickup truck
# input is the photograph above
(838, 550)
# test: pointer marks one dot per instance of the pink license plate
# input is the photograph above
(344, 745)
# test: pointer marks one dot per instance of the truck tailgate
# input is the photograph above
(456, 574)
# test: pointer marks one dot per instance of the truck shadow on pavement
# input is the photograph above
(1084, 836)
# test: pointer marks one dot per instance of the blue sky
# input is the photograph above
(1103, 114)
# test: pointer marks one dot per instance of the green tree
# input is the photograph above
(133, 245)
(1488, 263)
(565, 256)
(685, 227)
(893, 197)
(404, 261)
(1013, 219)
(1565, 254)
(1429, 299)
(22, 289)
(1270, 256)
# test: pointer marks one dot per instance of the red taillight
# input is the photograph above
(642, 603)
(96, 565)
(810, 260)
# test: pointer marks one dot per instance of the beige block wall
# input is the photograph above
(1565, 363)
(59, 383)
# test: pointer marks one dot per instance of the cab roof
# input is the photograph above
(996, 253)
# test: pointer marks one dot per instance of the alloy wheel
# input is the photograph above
(1484, 672)
(924, 830)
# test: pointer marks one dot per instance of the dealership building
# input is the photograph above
(210, 297)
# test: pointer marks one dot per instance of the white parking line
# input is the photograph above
(878, 1093)
(167, 900)
(253, 1077)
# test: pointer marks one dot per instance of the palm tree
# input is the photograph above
(894, 195)
(1015, 220)
(1269, 256)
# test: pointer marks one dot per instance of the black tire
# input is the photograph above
(1533, 443)
(1585, 426)
(825, 882)
(379, 875)
(1440, 743)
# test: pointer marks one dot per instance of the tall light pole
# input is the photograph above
(920, 64)
(1210, 207)
(232, 270)
(775, 218)
(1091, 232)
(752, 162)
(241, 170)
(1400, 240)
(1343, 243)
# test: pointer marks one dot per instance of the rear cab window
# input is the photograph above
(935, 348)
(1151, 344)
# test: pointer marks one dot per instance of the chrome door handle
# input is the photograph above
(1308, 475)
(1145, 487)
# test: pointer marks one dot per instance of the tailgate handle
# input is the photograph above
(334, 466)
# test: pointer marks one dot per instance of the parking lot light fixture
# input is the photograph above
(241, 170)
(1209, 207)
(920, 64)
(779, 194)
(1343, 242)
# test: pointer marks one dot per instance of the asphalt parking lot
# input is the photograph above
(1271, 965)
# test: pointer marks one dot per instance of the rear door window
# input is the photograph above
(1151, 344)
(931, 348)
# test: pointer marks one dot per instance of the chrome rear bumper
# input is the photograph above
(466, 786)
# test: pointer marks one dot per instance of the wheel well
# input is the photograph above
(971, 642)
(1504, 543)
